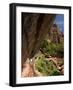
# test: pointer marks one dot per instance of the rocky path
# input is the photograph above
(28, 70)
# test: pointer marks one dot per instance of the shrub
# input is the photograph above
(47, 68)
(55, 72)
(53, 49)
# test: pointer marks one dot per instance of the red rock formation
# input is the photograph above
(55, 35)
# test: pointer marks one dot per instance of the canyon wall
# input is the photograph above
(34, 29)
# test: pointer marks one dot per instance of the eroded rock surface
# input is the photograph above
(34, 29)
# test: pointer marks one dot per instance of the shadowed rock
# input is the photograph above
(34, 29)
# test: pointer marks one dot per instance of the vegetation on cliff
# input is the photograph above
(46, 67)
(52, 47)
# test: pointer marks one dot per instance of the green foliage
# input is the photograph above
(47, 68)
(55, 72)
(53, 49)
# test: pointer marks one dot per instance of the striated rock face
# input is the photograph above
(34, 29)
(55, 35)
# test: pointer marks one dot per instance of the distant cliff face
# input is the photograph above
(55, 35)
(34, 29)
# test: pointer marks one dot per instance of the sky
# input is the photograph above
(59, 20)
